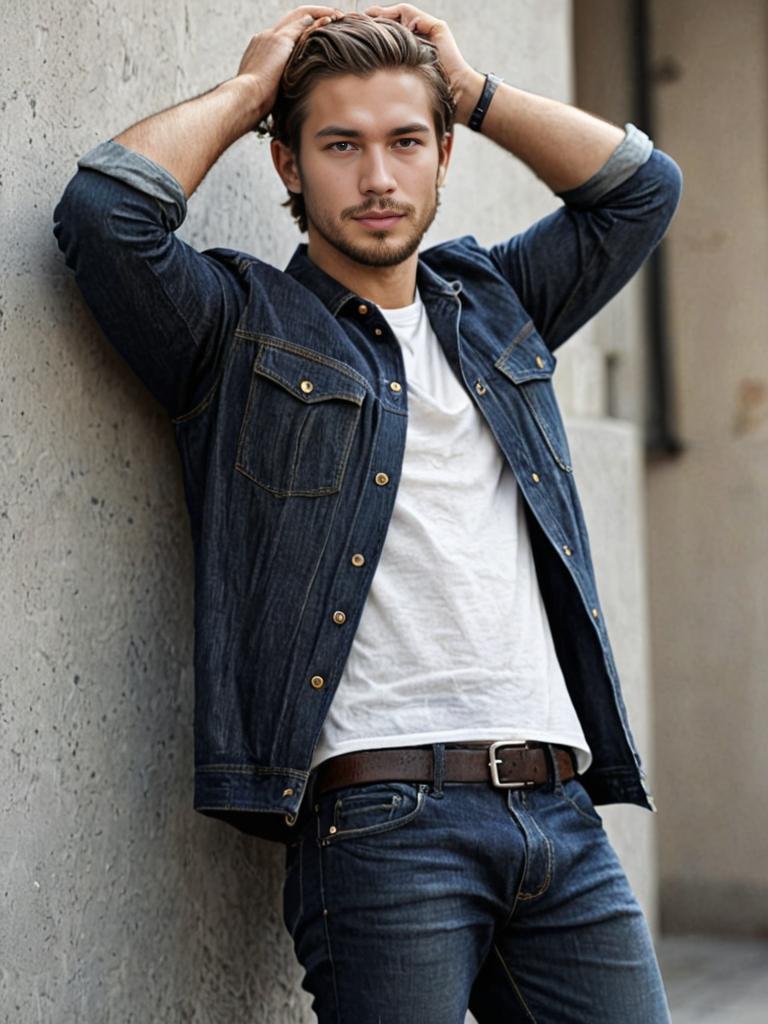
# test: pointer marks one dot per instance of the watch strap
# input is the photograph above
(492, 82)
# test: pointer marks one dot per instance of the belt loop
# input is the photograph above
(438, 761)
(554, 768)
(309, 794)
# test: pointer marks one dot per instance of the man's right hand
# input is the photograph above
(268, 52)
(189, 138)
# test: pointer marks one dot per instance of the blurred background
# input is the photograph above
(118, 903)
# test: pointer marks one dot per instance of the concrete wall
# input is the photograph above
(708, 509)
(119, 903)
(707, 544)
(601, 385)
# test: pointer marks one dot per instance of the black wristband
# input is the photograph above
(491, 83)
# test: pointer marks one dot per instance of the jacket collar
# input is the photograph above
(336, 296)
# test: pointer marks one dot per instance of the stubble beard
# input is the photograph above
(378, 251)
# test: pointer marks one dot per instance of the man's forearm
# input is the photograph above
(564, 146)
(188, 139)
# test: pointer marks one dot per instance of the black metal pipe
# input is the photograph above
(661, 437)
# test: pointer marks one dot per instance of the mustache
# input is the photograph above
(377, 206)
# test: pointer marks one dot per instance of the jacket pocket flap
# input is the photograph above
(307, 377)
(527, 358)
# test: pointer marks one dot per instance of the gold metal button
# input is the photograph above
(332, 829)
(536, 478)
(395, 386)
(307, 386)
(595, 613)
(540, 362)
(288, 792)
(378, 331)
(358, 559)
(381, 479)
(480, 388)
(567, 550)
(339, 618)
(362, 309)
(318, 682)
(290, 819)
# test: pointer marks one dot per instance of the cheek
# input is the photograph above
(323, 180)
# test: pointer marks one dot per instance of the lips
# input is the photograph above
(379, 220)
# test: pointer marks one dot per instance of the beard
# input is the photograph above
(379, 250)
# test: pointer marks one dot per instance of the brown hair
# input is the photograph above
(354, 45)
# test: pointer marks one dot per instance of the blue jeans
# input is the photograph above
(409, 903)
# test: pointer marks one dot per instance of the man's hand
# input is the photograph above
(189, 138)
(467, 84)
(268, 52)
(564, 146)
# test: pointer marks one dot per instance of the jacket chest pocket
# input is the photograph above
(299, 423)
(529, 364)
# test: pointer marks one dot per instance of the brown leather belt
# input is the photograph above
(508, 765)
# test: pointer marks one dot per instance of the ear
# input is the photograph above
(446, 147)
(285, 165)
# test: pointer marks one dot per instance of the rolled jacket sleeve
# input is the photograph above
(138, 171)
(629, 156)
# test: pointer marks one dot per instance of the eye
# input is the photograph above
(408, 143)
(334, 145)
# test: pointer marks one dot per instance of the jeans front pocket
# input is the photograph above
(367, 810)
(579, 800)
(299, 421)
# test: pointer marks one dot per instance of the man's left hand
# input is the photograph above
(467, 84)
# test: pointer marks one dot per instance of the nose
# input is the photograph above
(376, 177)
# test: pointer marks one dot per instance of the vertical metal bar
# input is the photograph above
(661, 437)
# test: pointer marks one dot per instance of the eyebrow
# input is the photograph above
(351, 133)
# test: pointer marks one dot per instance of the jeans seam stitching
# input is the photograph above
(550, 864)
(513, 983)
(327, 931)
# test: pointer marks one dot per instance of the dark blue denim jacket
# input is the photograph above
(292, 444)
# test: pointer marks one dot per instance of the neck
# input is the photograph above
(389, 287)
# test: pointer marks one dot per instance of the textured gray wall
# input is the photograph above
(118, 903)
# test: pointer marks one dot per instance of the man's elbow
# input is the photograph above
(81, 216)
(669, 182)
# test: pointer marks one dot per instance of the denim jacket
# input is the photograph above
(292, 441)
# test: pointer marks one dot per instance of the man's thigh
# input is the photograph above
(579, 950)
(390, 917)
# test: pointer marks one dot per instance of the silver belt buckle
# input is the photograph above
(494, 763)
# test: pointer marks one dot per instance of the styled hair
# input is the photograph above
(354, 45)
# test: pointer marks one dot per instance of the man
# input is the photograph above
(402, 670)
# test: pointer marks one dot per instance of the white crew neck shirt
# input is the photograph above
(454, 642)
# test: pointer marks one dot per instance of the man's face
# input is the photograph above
(370, 165)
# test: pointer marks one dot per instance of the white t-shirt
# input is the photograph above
(454, 641)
